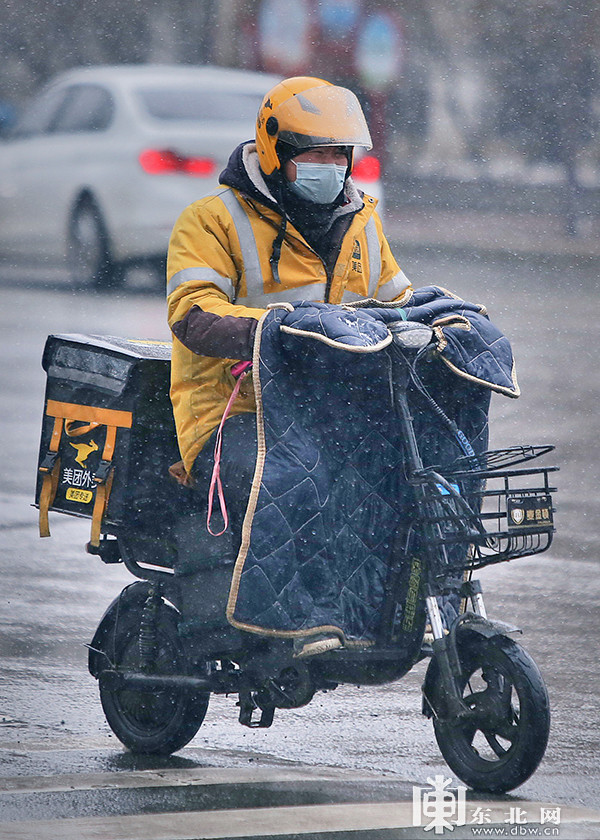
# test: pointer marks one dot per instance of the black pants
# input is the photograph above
(205, 563)
(238, 460)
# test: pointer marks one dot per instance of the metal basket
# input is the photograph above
(489, 509)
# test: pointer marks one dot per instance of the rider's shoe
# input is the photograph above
(312, 645)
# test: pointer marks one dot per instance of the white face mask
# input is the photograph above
(318, 182)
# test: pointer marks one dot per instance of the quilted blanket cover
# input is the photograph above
(329, 505)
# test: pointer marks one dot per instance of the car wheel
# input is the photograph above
(89, 253)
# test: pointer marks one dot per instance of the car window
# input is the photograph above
(37, 117)
(186, 104)
(87, 108)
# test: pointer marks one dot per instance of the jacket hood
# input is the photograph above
(244, 174)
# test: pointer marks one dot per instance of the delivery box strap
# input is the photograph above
(74, 428)
(90, 414)
(65, 415)
(50, 467)
(103, 469)
(100, 504)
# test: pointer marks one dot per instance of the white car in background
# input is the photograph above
(102, 162)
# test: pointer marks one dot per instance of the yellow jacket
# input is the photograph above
(220, 281)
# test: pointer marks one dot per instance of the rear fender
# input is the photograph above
(132, 598)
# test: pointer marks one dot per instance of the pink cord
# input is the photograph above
(241, 370)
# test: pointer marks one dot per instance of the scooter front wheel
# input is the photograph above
(159, 721)
(501, 744)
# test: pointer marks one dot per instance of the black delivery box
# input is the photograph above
(108, 435)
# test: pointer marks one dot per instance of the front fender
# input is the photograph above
(466, 624)
(477, 624)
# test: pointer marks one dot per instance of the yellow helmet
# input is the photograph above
(305, 112)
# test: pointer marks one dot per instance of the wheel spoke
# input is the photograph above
(509, 727)
(507, 732)
(493, 713)
(492, 705)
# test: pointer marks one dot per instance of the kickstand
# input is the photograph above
(248, 706)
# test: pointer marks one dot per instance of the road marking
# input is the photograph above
(244, 822)
(210, 825)
(176, 778)
(257, 822)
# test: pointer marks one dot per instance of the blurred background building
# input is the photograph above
(466, 89)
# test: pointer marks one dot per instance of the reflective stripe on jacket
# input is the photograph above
(219, 262)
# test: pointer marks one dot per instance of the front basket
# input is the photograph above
(495, 511)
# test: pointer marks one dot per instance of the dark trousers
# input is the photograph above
(205, 563)
(238, 460)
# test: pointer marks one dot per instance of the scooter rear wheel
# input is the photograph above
(502, 745)
(158, 721)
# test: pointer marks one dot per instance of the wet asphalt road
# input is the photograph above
(53, 594)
